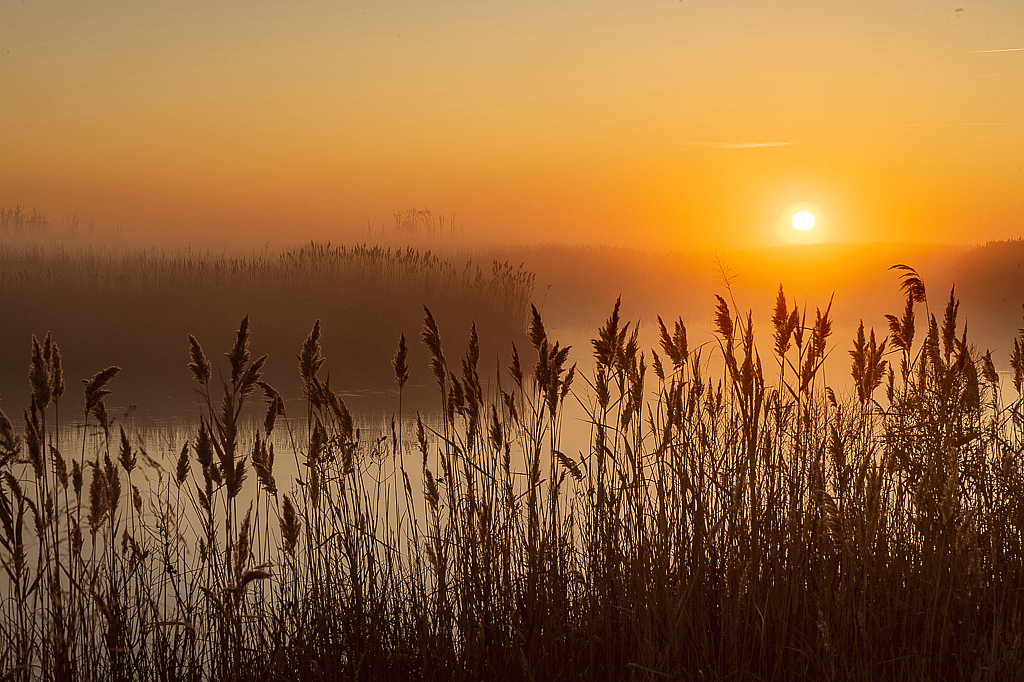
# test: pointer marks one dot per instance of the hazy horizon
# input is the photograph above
(660, 125)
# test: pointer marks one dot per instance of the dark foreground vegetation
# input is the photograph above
(732, 516)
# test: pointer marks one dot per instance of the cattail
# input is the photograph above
(95, 388)
(275, 407)
(931, 345)
(238, 358)
(100, 412)
(822, 330)
(113, 484)
(127, 458)
(567, 382)
(430, 490)
(868, 365)
(432, 339)
(341, 412)
(509, 400)
(456, 398)
(34, 439)
(570, 464)
(1017, 364)
(234, 478)
(674, 345)
(902, 331)
(57, 385)
(515, 369)
(797, 322)
(204, 501)
(400, 363)
(608, 339)
(601, 388)
(317, 440)
(949, 324)
(238, 590)
(76, 478)
(202, 369)
(989, 370)
(314, 486)
(263, 463)
(76, 538)
(243, 546)
(204, 445)
(470, 374)
(784, 323)
(291, 526)
(911, 283)
(98, 498)
(858, 354)
(495, 433)
(251, 377)
(39, 375)
(723, 321)
(60, 467)
(659, 371)
(421, 438)
(10, 442)
(538, 337)
(181, 471)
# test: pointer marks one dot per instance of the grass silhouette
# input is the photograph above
(721, 521)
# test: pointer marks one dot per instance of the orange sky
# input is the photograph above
(663, 124)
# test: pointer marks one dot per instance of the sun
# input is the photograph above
(803, 220)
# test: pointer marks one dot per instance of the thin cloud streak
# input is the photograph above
(739, 145)
(951, 125)
(1005, 49)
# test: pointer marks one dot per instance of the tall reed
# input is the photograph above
(719, 522)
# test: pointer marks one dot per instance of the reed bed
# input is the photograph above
(730, 516)
(317, 264)
(132, 307)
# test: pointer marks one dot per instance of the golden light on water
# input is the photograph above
(803, 220)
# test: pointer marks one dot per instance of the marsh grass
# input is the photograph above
(747, 523)
(132, 307)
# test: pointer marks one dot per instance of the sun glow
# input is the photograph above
(803, 220)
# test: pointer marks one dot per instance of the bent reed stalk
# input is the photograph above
(716, 525)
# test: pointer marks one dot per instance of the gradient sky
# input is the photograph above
(659, 123)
